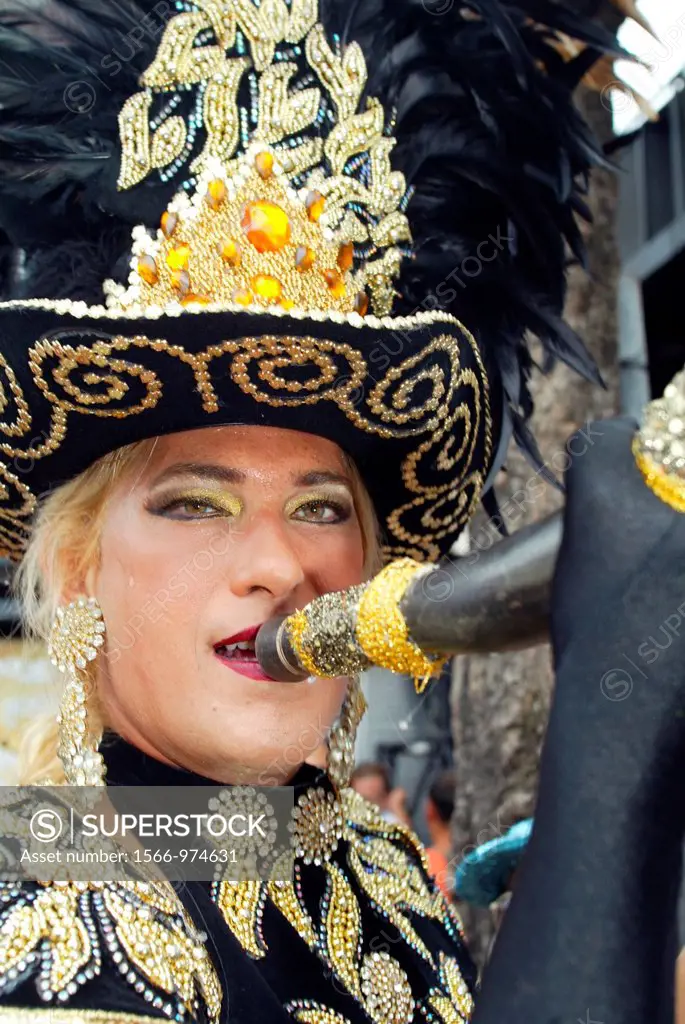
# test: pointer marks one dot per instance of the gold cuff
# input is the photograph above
(342, 633)
(382, 632)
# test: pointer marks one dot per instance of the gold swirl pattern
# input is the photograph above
(17, 505)
(22, 421)
(430, 403)
(103, 384)
(320, 370)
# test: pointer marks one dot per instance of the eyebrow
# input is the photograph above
(321, 476)
(209, 470)
(229, 475)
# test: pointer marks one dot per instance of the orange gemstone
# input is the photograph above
(315, 204)
(264, 162)
(168, 223)
(286, 303)
(180, 280)
(266, 287)
(266, 225)
(346, 256)
(335, 283)
(361, 303)
(216, 193)
(191, 297)
(231, 253)
(147, 268)
(177, 258)
(304, 258)
(243, 296)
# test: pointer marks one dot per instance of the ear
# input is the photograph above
(75, 581)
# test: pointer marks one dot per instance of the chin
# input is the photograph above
(227, 682)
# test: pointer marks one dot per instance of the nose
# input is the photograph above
(266, 561)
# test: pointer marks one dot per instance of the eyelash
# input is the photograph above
(169, 506)
(342, 512)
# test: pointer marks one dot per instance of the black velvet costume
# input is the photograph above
(404, 960)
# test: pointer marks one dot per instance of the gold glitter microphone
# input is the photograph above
(411, 617)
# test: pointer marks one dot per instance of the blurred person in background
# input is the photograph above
(439, 810)
(372, 780)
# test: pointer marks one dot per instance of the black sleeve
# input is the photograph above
(590, 934)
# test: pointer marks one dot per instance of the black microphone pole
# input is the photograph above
(489, 600)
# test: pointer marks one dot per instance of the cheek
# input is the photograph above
(150, 592)
(336, 561)
(147, 565)
(306, 723)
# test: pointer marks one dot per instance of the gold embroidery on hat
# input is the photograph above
(18, 504)
(304, 116)
(22, 422)
(121, 377)
(221, 113)
(134, 134)
(266, 221)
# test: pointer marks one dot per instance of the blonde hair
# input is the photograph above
(65, 548)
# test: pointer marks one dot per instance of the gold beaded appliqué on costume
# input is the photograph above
(280, 111)
(61, 933)
(121, 376)
(388, 863)
(65, 1015)
(317, 825)
(454, 998)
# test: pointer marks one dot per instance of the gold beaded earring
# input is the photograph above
(77, 634)
(344, 735)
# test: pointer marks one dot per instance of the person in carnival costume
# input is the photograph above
(260, 405)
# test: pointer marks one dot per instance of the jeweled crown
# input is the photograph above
(292, 201)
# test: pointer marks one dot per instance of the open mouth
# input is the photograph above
(243, 649)
(238, 652)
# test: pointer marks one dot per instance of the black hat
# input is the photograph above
(226, 166)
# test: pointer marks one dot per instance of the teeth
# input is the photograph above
(242, 645)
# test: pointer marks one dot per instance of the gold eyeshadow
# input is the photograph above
(214, 497)
(223, 503)
(337, 497)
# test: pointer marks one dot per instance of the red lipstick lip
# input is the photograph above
(245, 663)
(245, 634)
(249, 667)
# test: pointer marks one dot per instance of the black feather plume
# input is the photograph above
(487, 134)
(499, 157)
